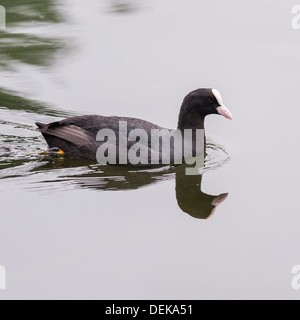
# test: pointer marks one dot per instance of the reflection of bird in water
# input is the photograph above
(192, 200)
(189, 196)
(76, 139)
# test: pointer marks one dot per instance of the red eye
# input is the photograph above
(210, 100)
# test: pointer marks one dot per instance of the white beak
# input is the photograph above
(225, 112)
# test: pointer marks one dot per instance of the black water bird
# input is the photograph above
(76, 137)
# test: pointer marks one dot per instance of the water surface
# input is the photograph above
(72, 229)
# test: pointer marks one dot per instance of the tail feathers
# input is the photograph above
(40, 125)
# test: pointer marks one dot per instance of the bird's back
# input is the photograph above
(76, 136)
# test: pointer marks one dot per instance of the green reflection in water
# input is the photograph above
(31, 11)
(20, 145)
(12, 101)
(123, 6)
(18, 46)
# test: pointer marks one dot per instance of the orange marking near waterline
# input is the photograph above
(60, 152)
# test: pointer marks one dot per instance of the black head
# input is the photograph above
(206, 101)
(198, 104)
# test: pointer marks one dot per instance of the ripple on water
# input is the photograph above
(20, 157)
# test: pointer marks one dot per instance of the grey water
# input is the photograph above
(78, 230)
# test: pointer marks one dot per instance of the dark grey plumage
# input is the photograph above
(77, 136)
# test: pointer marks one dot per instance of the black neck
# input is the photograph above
(189, 118)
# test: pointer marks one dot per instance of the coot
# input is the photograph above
(76, 137)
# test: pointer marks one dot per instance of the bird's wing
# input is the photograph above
(71, 133)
